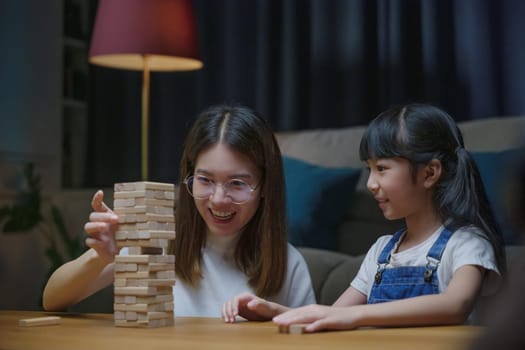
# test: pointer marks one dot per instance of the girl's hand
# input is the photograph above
(251, 308)
(320, 317)
(101, 229)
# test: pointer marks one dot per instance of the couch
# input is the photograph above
(359, 221)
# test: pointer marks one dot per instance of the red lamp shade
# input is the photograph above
(126, 31)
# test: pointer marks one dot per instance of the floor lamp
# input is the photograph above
(145, 35)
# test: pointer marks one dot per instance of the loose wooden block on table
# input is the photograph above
(39, 321)
(297, 328)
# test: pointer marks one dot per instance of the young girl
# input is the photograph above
(432, 271)
(230, 224)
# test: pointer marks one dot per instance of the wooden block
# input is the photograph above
(39, 321)
(119, 315)
(147, 234)
(134, 194)
(136, 274)
(125, 267)
(164, 289)
(165, 274)
(165, 322)
(145, 259)
(158, 243)
(129, 218)
(144, 316)
(154, 299)
(297, 328)
(131, 202)
(144, 291)
(168, 203)
(154, 267)
(143, 209)
(151, 267)
(148, 225)
(162, 307)
(143, 185)
(121, 235)
(131, 315)
(142, 282)
(154, 315)
(145, 250)
(119, 282)
(137, 209)
(144, 275)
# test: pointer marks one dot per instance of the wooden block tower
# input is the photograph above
(144, 278)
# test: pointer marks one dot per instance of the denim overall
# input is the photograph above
(407, 281)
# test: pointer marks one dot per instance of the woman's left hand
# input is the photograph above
(251, 308)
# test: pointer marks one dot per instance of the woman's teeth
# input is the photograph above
(222, 214)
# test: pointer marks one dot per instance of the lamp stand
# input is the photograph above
(145, 116)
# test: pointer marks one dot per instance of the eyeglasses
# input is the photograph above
(201, 187)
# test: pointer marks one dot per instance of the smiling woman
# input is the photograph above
(225, 212)
(231, 221)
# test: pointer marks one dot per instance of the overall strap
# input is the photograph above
(439, 246)
(384, 257)
(435, 253)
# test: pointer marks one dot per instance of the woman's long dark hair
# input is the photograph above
(420, 133)
(261, 252)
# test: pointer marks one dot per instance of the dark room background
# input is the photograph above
(308, 64)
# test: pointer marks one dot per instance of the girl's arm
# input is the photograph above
(450, 307)
(350, 297)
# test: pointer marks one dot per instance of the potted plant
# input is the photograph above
(31, 213)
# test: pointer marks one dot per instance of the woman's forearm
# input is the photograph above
(76, 280)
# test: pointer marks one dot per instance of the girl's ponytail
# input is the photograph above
(462, 198)
(456, 194)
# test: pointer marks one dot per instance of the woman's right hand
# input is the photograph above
(101, 229)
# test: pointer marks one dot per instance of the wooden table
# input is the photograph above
(96, 332)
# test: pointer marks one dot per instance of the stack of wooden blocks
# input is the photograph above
(144, 278)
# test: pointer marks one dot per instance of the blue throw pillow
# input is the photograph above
(495, 168)
(317, 198)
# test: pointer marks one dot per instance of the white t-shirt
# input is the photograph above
(467, 246)
(222, 280)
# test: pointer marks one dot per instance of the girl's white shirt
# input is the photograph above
(222, 281)
(467, 246)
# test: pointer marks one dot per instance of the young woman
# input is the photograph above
(230, 224)
(432, 271)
